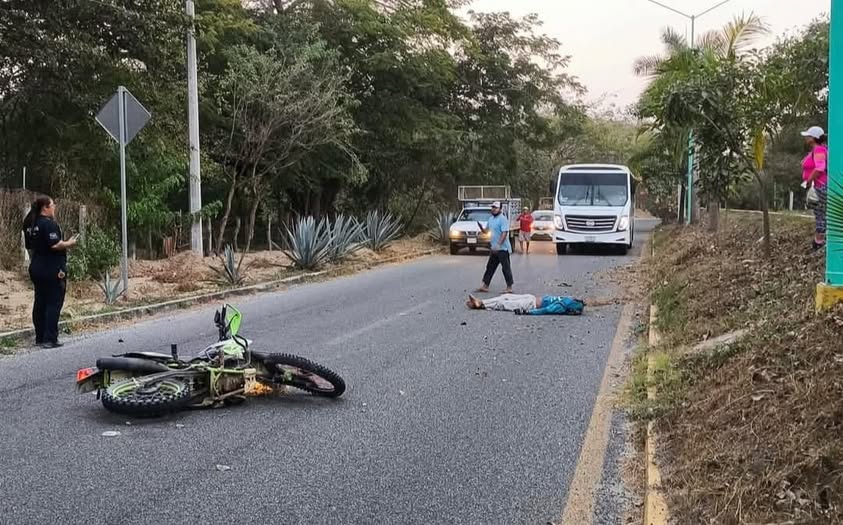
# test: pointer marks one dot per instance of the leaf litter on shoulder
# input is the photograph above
(756, 435)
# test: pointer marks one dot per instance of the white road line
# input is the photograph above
(371, 326)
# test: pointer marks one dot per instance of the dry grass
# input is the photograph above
(752, 434)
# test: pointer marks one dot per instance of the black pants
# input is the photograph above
(49, 299)
(498, 258)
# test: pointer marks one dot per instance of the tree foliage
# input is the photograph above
(313, 107)
(741, 103)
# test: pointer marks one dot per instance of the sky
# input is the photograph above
(604, 37)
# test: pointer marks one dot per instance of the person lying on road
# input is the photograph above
(529, 304)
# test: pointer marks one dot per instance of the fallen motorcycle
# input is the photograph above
(150, 384)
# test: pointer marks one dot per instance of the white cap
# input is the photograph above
(814, 132)
(496, 204)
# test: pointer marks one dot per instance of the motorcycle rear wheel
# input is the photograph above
(156, 399)
(301, 373)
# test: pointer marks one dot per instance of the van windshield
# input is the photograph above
(476, 215)
(593, 189)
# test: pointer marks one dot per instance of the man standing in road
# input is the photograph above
(525, 229)
(498, 227)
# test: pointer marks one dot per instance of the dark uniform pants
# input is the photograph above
(49, 299)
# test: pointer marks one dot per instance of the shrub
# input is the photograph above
(441, 232)
(346, 237)
(96, 254)
(307, 243)
(111, 289)
(229, 272)
(380, 230)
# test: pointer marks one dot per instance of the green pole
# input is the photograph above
(834, 248)
(689, 208)
(689, 205)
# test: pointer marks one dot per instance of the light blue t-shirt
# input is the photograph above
(497, 225)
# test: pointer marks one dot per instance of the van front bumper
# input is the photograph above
(567, 237)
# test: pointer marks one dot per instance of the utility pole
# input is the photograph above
(195, 180)
(691, 146)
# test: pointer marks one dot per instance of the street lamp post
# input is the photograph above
(693, 18)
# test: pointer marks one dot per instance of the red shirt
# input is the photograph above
(526, 220)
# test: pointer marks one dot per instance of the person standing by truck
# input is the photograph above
(500, 249)
(525, 229)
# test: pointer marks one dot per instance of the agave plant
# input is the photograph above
(346, 234)
(228, 271)
(307, 243)
(441, 232)
(380, 230)
(111, 289)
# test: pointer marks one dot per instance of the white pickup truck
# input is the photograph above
(468, 231)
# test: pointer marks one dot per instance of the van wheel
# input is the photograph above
(561, 248)
(454, 249)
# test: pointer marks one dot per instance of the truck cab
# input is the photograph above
(469, 230)
(466, 232)
(594, 204)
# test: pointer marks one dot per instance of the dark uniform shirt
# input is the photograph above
(41, 238)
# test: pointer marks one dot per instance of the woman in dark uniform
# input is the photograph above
(48, 269)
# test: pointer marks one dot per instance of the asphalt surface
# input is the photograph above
(452, 416)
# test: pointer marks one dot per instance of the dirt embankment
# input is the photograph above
(752, 432)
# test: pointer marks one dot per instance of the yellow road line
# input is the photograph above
(579, 508)
(655, 506)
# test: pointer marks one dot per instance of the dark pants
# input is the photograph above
(49, 299)
(498, 258)
(819, 210)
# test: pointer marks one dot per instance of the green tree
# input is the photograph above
(281, 104)
(697, 89)
(60, 62)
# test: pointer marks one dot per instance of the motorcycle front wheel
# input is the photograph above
(301, 373)
(132, 398)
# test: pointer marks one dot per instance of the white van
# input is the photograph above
(594, 204)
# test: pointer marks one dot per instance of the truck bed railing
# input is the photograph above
(483, 193)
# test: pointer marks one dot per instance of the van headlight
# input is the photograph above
(455, 234)
(623, 224)
(557, 221)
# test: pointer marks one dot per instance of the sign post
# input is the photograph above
(123, 117)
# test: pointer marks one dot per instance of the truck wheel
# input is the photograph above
(561, 248)
(454, 249)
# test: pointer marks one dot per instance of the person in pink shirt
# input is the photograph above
(815, 175)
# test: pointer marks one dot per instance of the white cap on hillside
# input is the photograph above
(814, 132)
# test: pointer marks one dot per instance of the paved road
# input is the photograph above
(451, 416)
